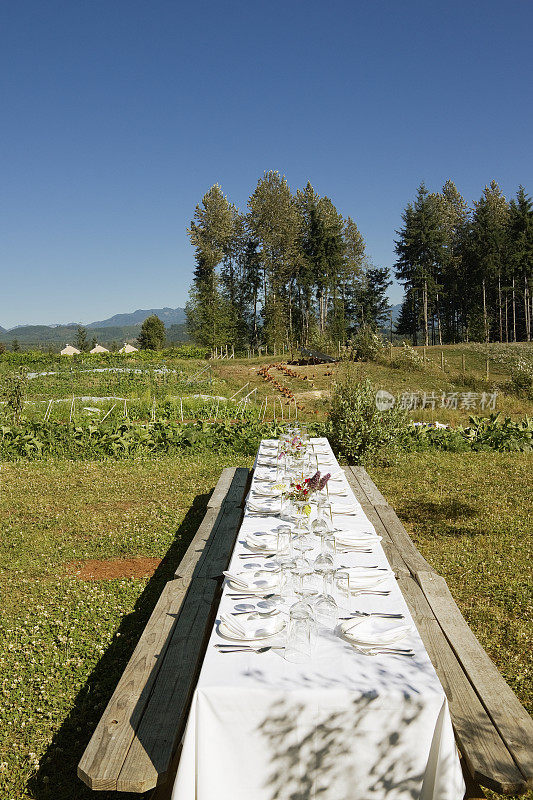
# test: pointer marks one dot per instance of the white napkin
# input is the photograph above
(252, 626)
(346, 508)
(365, 578)
(373, 632)
(256, 581)
(266, 492)
(356, 537)
(262, 541)
(264, 507)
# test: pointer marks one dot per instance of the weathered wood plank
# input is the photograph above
(488, 759)
(102, 760)
(164, 718)
(239, 487)
(221, 489)
(394, 556)
(514, 724)
(217, 551)
(105, 754)
(369, 487)
(399, 536)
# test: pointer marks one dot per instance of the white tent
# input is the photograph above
(98, 349)
(70, 351)
(128, 348)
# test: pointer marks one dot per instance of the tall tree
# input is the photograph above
(520, 258)
(153, 334)
(80, 340)
(211, 231)
(420, 251)
(488, 238)
(273, 222)
(452, 302)
(372, 297)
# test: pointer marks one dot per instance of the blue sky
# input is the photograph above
(118, 115)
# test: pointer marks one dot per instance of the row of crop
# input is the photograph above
(126, 438)
(31, 440)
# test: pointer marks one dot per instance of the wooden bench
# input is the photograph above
(132, 747)
(494, 733)
(135, 745)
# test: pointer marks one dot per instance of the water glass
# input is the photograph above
(304, 578)
(299, 643)
(284, 540)
(286, 568)
(342, 579)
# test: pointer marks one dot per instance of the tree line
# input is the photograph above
(291, 269)
(467, 272)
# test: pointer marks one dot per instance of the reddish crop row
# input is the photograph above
(284, 390)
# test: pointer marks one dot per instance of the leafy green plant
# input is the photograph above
(407, 357)
(521, 381)
(14, 393)
(366, 345)
(357, 429)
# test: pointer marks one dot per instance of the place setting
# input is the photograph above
(288, 589)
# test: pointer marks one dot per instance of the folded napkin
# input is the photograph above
(253, 581)
(373, 632)
(346, 508)
(266, 542)
(252, 626)
(258, 491)
(365, 578)
(264, 507)
(356, 537)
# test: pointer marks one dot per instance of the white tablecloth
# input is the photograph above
(342, 726)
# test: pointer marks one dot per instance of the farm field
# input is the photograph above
(189, 388)
(74, 533)
(88, 544)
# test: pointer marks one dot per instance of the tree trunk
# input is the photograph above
(500, 305)
(425, 302)
(485, 320)
(526, 310)
(514, 314)
(438, 320)
(506, 319)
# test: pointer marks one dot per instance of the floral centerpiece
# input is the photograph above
(292, 447)
(301, 491)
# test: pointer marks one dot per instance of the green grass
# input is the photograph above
(470, 516)
(65, 642)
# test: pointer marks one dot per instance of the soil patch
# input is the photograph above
(113, 568)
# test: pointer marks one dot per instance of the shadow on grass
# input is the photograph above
(448, 514)
(57, 778)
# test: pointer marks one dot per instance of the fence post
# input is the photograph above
(442, 360)
(487, 369)
(463, 360)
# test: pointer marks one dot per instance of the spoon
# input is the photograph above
(259, 613)
(228, 648)
(371, 614)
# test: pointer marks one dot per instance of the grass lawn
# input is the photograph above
(65, 641)
(471, 517)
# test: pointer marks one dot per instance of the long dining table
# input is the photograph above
(342, 725)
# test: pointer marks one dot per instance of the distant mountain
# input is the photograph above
(118, 329)
(170, 316)
(396, 312)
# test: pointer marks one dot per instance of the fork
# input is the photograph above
(391, 651)
(373, 614)
(237, 648)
